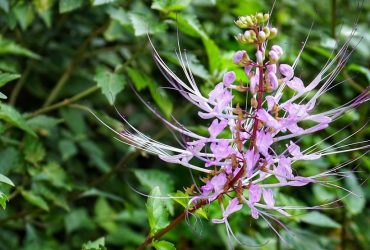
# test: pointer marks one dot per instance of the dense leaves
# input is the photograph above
(66, 182)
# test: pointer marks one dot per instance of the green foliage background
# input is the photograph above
(67, 183)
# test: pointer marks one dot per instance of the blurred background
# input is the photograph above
(76, 186)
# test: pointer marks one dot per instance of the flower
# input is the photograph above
(255, 159)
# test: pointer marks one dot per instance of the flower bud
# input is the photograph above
(261, 36)
(259, 17)
(249, 20)
(273, 33)
(259, 56)
(273, 57)
(267, 31)
(266, 17)
(241, 57)
(278, 50)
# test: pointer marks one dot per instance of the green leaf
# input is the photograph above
(100, 2)
(98, 244)
(43, 5)
(24, 14)
(95, 155)
(11, 48)
(3, 200)
(170, 5)
(213, 53)
(69, 5)
(110, 83)
(354, 203)
(12, 116)
(7, 77)
(6, 180)
(2, 96)
(4, 5)
(189, 24)
(146, 24)
(54, 174)
(67, 149)
(35, 199)
(119, 15)
(139, 79)
(105, 215)
(34, 151)
(163, 245)
(78, 219)
(153, 178)
(183, 199)
(319, 219)
(157, 213)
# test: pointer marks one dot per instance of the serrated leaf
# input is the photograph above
(69, 5)
(67, 149)
(157, 213)
(153, 178)
(319, 219)
(35, 200)
(163, 245)
(78, 219)
(7, 77)
(145, 24)
(170, 5)
(183, 199)
(54, 174)
(98, 244)
(110, 83)
(119, 15)
(34, 151)
(3, 200)
(12, 116)
(6, 180)
(11, 48)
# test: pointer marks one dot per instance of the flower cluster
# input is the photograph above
(263, 135)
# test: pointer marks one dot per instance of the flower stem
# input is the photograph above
(176, 221)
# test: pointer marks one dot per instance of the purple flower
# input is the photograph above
(229, 78)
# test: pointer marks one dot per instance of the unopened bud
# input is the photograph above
(249, 20)
(267, 31)
(273, 57)
(273, 33)
(259, 56)
(261, 36)
(266, 17)
(259, 17)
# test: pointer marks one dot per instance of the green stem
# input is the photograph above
(65, 102)
(68, 71)
(19, 85)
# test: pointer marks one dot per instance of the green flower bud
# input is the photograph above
(266, 17)
(259, 17)
(273, 33)
(261, 36)
(267, 31)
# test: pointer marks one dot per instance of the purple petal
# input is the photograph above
(229, 78)
(287, 71)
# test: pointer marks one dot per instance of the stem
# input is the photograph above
(333, 18)
(19, 85)
(65, 102)
(259, 102)
(176, 221)
(68, 71)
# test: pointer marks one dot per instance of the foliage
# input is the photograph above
(67, 183)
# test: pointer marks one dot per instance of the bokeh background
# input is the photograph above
(76, 186)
